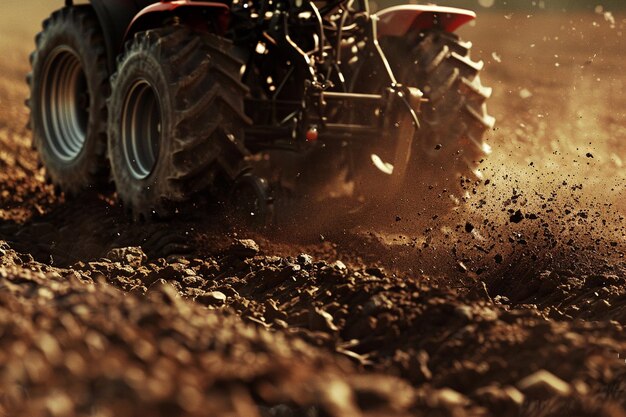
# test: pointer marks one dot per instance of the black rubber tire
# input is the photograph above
(454, 121)
(197, 82)
(75, 32)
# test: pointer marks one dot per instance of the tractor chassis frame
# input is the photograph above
(308, 118)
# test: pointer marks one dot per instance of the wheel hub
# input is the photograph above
(64, 102)
(141, 129)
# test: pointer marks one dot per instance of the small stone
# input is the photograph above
(504, 401)
(464, 311)
(212, 298)
(50, 348)
(131, 255)
(337, 395)
(45, 293)
(192, 281)
(450, 399)
(543, 385)
(243, 248)
(339, 265)
(59, 404)
(304, 259)
(280, 324)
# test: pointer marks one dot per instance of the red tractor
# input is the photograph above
(254, 99)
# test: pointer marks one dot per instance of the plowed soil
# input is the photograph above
(512, 305)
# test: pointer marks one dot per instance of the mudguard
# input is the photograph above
(121, 19)
(401, 20)
(188, 10)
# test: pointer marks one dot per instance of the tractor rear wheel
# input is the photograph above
(176, 118)
(449, 145)
(68, 89)
(454, 120)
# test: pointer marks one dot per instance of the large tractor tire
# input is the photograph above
(449, 143)
(68, 89)
(176, 118)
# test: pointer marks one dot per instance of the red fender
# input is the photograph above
(143, 20)
(400, 20)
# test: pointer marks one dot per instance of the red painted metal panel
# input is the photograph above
(172, 5)
(400, 20)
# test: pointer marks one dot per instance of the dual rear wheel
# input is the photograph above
(173, 117)
(175, 114)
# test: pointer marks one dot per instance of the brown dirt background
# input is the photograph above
(444, 314)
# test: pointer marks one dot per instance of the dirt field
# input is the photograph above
(512, 306)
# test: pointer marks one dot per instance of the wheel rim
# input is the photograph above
(141, 129)
(64, 100)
